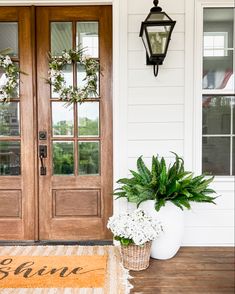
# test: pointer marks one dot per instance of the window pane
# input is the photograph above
(81, 82)
(216, 155)
(88, 119)
(62, 119)
(218, 72)
(63, 158)
(9, 158)
(88, 38)
(68, 76)
(9, 119)
(216, 115)
(61, 37)
(88, 158)
(9, 38)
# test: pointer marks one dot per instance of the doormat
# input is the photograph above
(62, 269)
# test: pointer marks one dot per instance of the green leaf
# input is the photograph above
(159, 203)
(143, 170)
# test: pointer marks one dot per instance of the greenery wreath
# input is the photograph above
(57, 80)
(9, 78)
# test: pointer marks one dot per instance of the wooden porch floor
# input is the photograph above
(204, 270)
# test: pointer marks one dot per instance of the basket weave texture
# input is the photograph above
(135, 257)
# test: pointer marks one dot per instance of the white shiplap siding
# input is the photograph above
(156, 120)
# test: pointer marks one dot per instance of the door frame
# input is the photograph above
(120, 76)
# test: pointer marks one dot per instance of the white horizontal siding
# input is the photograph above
(225, 201)
(223, 186)
(166, 78)
(208, 236)
(137, 60)
(147, 161)
(209, 218)
(149, 148)
(155, 131)
(155, 95)
(169, 6)
(156, 113)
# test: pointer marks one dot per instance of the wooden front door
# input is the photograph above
(73, 199)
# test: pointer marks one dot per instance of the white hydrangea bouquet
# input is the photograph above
(134, 228)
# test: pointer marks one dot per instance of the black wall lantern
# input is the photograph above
(156, 32)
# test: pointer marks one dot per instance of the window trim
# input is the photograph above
(193, 88)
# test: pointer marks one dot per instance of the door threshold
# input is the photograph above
(54, 243)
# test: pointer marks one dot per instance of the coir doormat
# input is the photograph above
(62, 269)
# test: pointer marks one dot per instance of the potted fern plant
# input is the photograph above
(164, 192)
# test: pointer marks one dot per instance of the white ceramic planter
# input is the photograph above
(172, 218)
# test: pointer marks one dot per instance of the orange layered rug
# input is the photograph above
(62, 269)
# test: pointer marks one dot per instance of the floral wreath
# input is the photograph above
(57, 80)
(9, 79)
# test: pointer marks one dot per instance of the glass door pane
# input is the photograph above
(10, 140)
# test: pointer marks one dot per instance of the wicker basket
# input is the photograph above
(135, 257)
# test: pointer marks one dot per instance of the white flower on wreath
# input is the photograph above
(3, 80)
(7, 61)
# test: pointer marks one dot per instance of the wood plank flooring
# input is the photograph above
(204, 270)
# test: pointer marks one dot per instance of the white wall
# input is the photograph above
(157, 123)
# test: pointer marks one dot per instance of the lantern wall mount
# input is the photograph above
(156, 33)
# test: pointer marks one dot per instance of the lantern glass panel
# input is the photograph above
(145, 41)
(158, 17)
(158, 37)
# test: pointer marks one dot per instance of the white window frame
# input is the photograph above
(193, 83)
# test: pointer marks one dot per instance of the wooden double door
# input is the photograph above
(72, 199)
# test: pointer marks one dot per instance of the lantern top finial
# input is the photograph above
(155, 2)
(156, 8)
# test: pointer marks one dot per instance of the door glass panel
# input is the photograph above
(88, 119)
(216, 115)
(88, 37)
(15, 93)
(218, 49)
(9, 158)
(62, 119)
(81, 80)
(9, 38)
(63, 158)
(68, 77)
(88, 158)
(9, 119)
(216, 155)
(61, 37)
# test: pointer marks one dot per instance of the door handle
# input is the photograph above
(42, 155)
